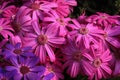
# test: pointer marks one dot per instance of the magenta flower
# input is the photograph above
(10, 13)
(111, 36)
(85, 33)
(38, 7)
(25, 68)
(74, 59)
(22, 22)
(42, 42)
(99, 61)
(103, 19)
(5, 28)
(4, 7)
(58, 22)
(64, 6)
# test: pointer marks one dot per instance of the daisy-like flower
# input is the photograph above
(22, 22)
(85, 33)
(26, 69)
(38, 7)
(103, 19)
(58, 22)
(64, 6)
(42, 41)
(5, 28)
(4, 75)
(4, 7)
(111, 36)
(10, 13)
(74, 59)
(17, 51)
(100, 61)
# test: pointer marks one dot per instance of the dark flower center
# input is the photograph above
(60, 21)
(24, 69)
(1, 11)
(1, 28)
(105, 35)
(42, 39)
(17, 27)
(83, 30)
(77, 56)
(50, 69)
(97, 62)
(103, 17)
(3, 79)
(17, 51)
(35, 6)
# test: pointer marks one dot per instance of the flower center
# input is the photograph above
(103, 17)
(17, 51)
(50, 69)
(3, 79)
(16, 27)
(24, 69)
(97, 62)
(77, 56)
(35, 6)
(105, 35)
(83, 30)
(42, 39)
(1, 28)
(1, 11)
(60, 21)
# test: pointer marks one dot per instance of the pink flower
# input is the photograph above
(58, 22)
(85, 33)
(64, 6)
(4, 6)
(10, 13)
(43, 41)
(111, 36)
(38, 8)
(99, 60)
(5, 28)
(103, 19)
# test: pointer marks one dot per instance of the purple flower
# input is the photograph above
(4, 75)
(17, 51)
(26, 69)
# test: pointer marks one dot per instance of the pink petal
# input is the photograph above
(50, 52)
